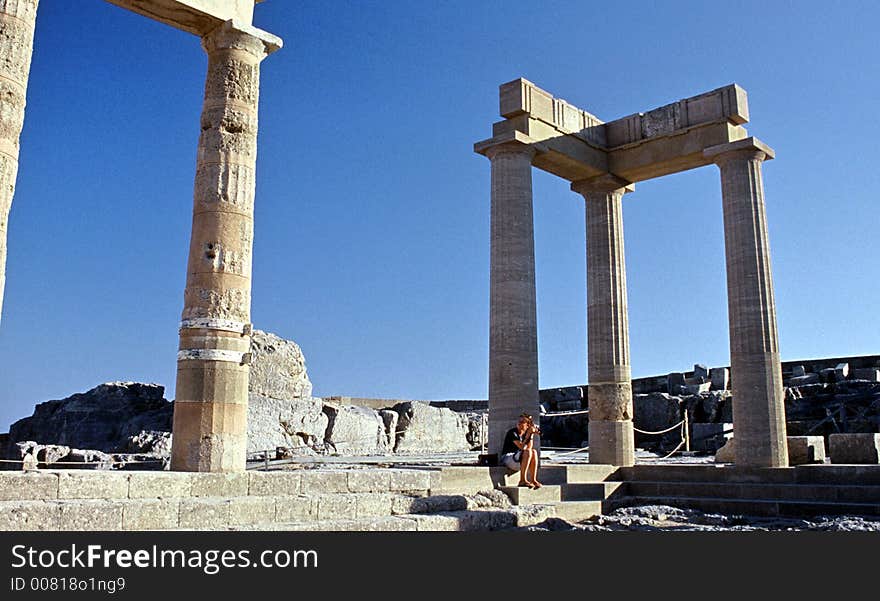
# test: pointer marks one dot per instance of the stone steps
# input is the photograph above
(520, 495)
(825, 493)
(577, 474)
(577, 511)
(592, 491)
(761, 507)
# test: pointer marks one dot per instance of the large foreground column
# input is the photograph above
(610, 387)
(210, 409)
(756, 373)
(17, 19)
(513, 323)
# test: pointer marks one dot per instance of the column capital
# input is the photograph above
(748, 148)
(237, 35)
(602, 184)
(510, 142)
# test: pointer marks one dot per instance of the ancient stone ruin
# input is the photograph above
(603, 161)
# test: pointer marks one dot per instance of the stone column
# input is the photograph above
(210, 409)
(610, 386)
(756, 373)
(513, 322)
(17, 19)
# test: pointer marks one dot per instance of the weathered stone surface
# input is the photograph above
(727, 453)
(323, 481)
(92, 485)
(103, 419)
(159, 484)
(656, 411)
(854, 448)
(337, 507)
(423, 428)
(219, 485)
(701, 371)
(871, 374)
(151, 442)
(720, 378)
(368, 480)
(710, 437)
(353, 430)
(251, 510)
(300, 508)
(806, 449)
(29, 515)
(89, 514)
(409, 481)
(804, 380)
(296, 424)
(267, 484)
(150, 514)
(204, 512)
(390, 419)
(20, 485)
(278, 368)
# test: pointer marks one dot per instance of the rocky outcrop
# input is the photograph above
(425, 429)
(353, 430)
(281, 410)
(103, 419)
(278, 368)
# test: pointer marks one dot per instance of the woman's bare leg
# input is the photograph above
(534, 466)
(525, 466)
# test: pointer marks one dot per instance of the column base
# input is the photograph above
(612, 442)
(209, 437)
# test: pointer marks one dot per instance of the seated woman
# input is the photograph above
(518, 453)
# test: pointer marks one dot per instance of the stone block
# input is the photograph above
(568, 405)
(318, 482)
(151, 514)
(299, 508)
(203, 513)
(251, 510)
(674, 383)
(842, 369)
(694, 389)
(86, 484)
(21, 486)
(28, 515)
(806, 449)
(710, 437)
(371, 504)
(368, 480)
(405, 504)
(838, 373)
(436, 523)
(337, 507)
(701, 371)
(142, 485)
(804, 380)
(389, 524)
(872, 374)
(220, 485)
(409, 480)
(719, 377)
(798, 371)
(89, 514)
(854, 448)
(267, 484)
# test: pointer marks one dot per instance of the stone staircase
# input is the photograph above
(801, 491)
(305, 499)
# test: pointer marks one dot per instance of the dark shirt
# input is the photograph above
(508, 446)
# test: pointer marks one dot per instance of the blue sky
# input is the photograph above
(372, 212)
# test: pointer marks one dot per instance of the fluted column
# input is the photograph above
(610, 386)
(210, 409)
(756, 373)
(17, 19)
(513, 324)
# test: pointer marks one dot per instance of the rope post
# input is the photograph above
(685, 435)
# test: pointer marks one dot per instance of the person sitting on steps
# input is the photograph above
(518, 452)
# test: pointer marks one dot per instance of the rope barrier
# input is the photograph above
(669, 429)
(110, 461)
